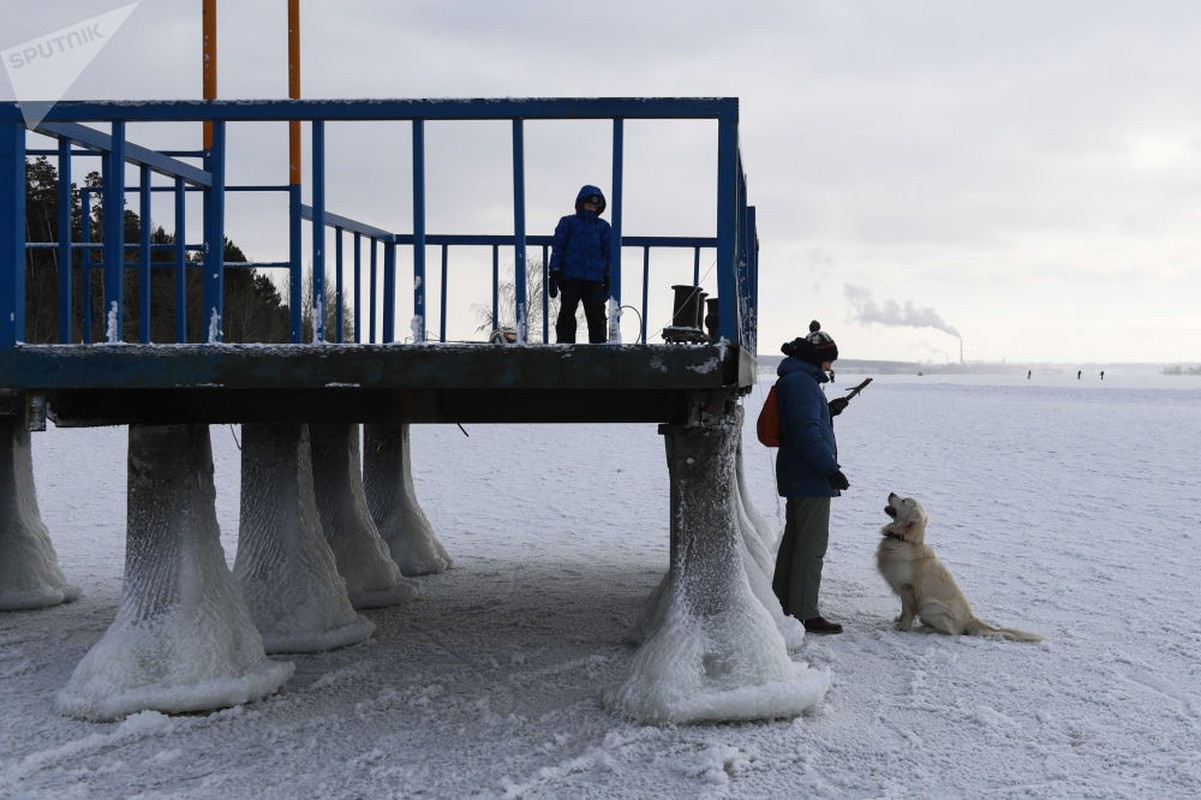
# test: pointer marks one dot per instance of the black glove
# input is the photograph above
(837, 405)
(838, 480)
(606, 285)
(553, 284)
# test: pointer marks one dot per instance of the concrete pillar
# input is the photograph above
(757, 547)
(372, 578)
(284, 565)
(392, 500)
(182, 639)
(716, 654)
(29, 572)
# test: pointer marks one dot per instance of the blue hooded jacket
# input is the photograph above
(808, 453)
(580, 248)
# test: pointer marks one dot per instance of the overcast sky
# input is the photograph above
(1022, 176)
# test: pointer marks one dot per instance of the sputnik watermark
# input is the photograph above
(41, 70)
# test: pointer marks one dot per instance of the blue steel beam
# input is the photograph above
(318, 144)
(181, 262)
(64, 241)
(616, 204)
(727, 231)
(387, 109)
(389, 310)
(143, 255)
(12, 232)
(295, 270)
(214, 238)
(141, 156)
(418, 230)
(358, 279)
(338, 333)
(113, 176)
(519, 290)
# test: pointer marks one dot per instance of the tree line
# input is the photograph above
(254, 310)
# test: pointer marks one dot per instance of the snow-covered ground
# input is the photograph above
(1070, 508)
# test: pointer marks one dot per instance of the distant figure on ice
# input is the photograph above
(1029, 372)
(579, 267)
(1102, 374)
(1079, 372)
(807, 474)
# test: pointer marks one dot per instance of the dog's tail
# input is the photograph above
(978, 627)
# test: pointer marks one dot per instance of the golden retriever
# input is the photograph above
(926, 587)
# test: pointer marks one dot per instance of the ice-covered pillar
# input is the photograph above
(392, 500)
(182, 639)
(717, 653)
(284, 565)
(372, 578)
(29, 573)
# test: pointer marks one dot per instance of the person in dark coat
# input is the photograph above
(579, 267)
(807, 474)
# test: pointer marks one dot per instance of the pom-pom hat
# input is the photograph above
(817, 348)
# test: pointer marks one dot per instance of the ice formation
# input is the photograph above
(182, 639)
(392, 500)
(713, 650)
(29, 573)
(372, 578)
(285, 567)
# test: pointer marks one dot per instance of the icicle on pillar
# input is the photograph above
(372, 578)
(29, 573)
(182, 639)
(716, 654)
(284, 565)
(388, 479)
(759, 545)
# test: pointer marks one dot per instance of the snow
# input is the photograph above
(1063, 507)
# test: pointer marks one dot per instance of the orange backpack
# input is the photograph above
(768, 425)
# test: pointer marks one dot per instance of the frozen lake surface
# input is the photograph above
(1071, 508)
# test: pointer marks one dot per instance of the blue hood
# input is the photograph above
(588, 190)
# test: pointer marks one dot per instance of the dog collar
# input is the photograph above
(896, 536)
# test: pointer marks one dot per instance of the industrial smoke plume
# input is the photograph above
(865, 309)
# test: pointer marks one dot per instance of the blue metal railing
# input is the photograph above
(734, 245)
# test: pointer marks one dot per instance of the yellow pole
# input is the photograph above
(294, 90)
(209, 25)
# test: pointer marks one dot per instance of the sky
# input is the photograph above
(1013, 181)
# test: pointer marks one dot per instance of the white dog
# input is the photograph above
(924, 585)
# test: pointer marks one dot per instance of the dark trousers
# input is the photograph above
(571, 292)
(798, 576)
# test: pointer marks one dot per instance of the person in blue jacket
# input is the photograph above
(579, 267)
(807, 474)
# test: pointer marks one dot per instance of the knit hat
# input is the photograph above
(816, 348)
(823, 344)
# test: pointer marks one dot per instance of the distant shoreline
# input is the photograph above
(874, 367)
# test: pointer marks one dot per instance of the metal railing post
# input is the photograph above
(519, 288)
(615, 242)
(214, 237)
(12, 231)
(295, 266)
(318, 299)
(64, 241)
(144, 255)
(181, 263)
(418, 230)
(114, 235)
(727, 226)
